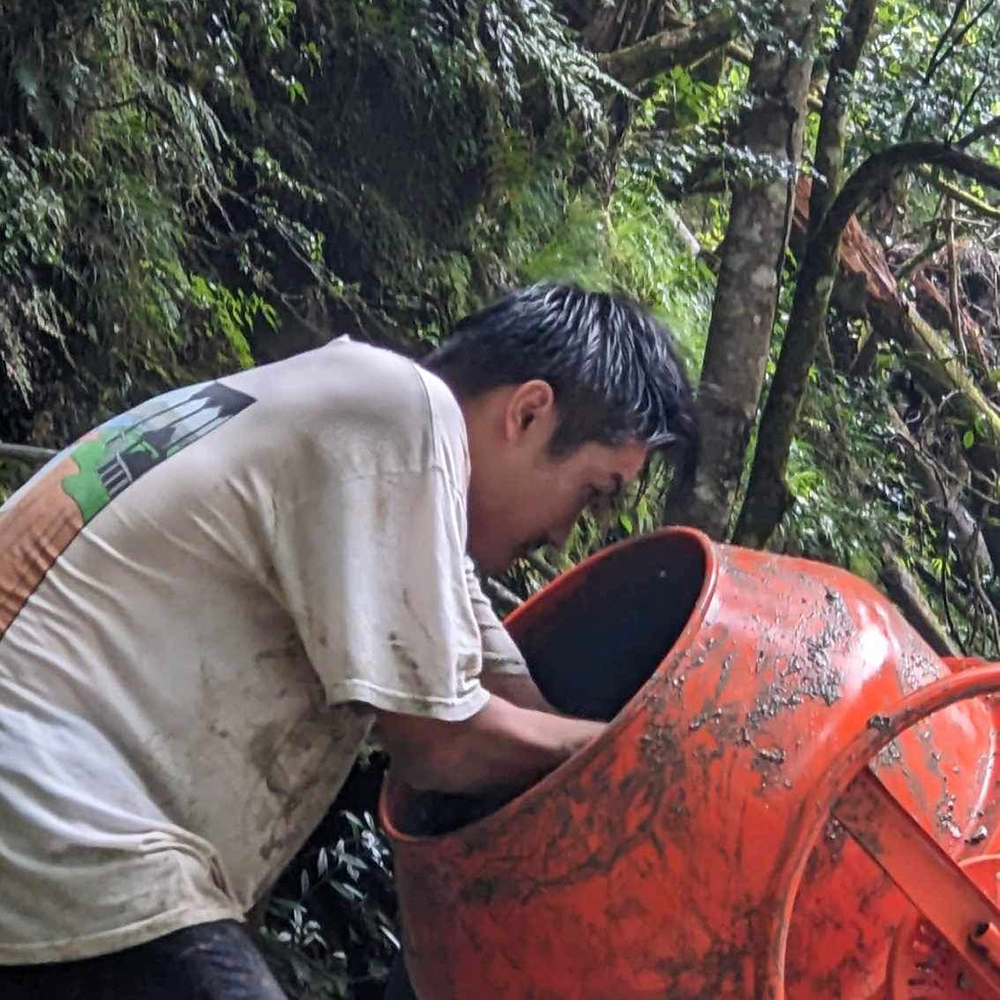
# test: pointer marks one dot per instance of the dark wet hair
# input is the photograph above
(613, 368)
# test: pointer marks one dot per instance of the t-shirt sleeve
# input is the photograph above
(500, 653)
(372, 568)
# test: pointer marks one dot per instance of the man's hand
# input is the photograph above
(502, 748)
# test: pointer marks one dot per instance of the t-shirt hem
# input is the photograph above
(445, 709)
(118, 939)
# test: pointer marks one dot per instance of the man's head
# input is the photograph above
(565, 393)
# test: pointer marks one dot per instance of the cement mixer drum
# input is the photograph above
(794, 797)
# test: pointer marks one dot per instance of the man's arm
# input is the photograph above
(518, 689)
(502, 748)
(504, 671)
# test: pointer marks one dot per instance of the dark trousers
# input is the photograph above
(213, 961)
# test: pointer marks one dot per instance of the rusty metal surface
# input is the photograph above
(923, 966)
(664, 860)
(791, 870)
(961, 912)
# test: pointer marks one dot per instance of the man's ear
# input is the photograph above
(530, 405)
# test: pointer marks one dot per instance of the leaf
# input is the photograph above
(968, 439)
(26, 75)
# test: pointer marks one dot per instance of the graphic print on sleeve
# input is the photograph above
(42, 518)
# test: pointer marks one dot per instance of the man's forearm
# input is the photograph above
(502, 748)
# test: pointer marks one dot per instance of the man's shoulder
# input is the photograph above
(364, 389)
(343, 374)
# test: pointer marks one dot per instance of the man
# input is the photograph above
(207, 603)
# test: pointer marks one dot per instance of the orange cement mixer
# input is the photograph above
(795, 797)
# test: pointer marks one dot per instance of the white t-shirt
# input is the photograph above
(200, 604)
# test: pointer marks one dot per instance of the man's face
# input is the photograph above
(520, 496)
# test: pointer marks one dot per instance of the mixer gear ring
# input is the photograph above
(969, 916)
(922, 965)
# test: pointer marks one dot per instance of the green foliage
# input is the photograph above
(114, 167)
(330, 926)
(851, 494)
(928, 73)
(186, 179)
(632, 245)
(701, 114)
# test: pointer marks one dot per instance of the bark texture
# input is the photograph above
(751, 260)
(765, 502)
(832, 136)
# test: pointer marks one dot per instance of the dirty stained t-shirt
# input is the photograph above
(202, 602)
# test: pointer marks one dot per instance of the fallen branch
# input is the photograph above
(663, 51)
(959, 194)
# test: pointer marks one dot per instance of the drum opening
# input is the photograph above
(608, 626)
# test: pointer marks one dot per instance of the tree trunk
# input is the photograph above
(767, 493)
(752, 256)
(832, 136)
(764, 507)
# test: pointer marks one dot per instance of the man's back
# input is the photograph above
(179, 676)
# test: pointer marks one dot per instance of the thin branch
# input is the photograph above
(26, 453)
(954, 301)
(506, 599)
(984, 598)
(947, 604)
(959, 194)
(984, 130)
(940, 471)
(904, 590)
(967, 107)
(920, 257)
(945, 47)
(966, 28)
(932, 66)
(115, 105)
